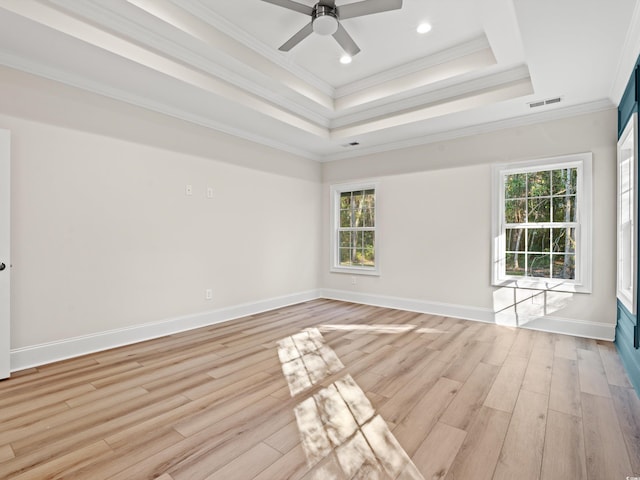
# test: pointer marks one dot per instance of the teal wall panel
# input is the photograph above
(628, 104)
(627, 330)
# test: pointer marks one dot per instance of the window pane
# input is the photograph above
(515, 264)
(367, 239)
(625, 206)
(515, 186)
(356, 240)
(539, 265)
(564, 266)
(515, 211)
(540, 223)
(565, 181)
(564, 209)
(358, 215)
(539, 210)
(357, 257)
(345, 239)
(625, 279)
(355, 228)
(368, 247)
(625, 175)
(345, 218)
(539, 184)
(515, 240)
(368, 218)
(539, 240)
(358, 198)
(345, 257)
(370, 198)
(564, 240)
(345, 200)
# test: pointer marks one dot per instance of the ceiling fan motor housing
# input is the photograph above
(325, 19)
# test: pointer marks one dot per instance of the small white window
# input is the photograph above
(353, 220)
(627, 214)
(542, 224)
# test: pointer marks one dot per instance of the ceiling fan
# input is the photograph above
(326, 16)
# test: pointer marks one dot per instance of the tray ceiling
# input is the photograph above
(216, 63)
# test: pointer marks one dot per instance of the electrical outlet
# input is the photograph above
(188, 190)
(354, 280)
(209, 192)
(208, 294)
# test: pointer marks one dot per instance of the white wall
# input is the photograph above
(435, 224)
(104, 237)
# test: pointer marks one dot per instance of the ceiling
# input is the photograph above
(216, 63)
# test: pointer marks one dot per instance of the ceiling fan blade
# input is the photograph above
(297, 38)
(291, 5)
(345, 41)
(367, 7)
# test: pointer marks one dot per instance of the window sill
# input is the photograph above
(372, 272)
(543, 284)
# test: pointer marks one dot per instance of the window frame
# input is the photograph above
(584, 211)
(628, 297)
(335, 192)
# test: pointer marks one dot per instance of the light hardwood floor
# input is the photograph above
(326, 390)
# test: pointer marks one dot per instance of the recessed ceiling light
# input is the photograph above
(345, 60)
(424, 28)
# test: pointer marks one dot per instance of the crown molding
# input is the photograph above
(119, 95)
(488, 127)
(82, 83)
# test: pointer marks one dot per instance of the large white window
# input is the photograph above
(353, 219)
(627, 214)
(542, 224)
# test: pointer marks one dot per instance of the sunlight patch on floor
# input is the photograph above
(341, 434)
(306, 360)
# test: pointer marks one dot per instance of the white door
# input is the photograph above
(5, 262)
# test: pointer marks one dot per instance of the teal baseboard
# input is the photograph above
(624, 343)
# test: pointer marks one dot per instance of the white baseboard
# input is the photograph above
(33, 356)
(569, 326)
(410, 305)
(565, 326)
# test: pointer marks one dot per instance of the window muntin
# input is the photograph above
(354, 228)
(627, 215)
(542, 224)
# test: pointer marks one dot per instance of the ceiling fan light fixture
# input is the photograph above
(325, 20)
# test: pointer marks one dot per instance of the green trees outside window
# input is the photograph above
(540, 217)
(356, 230)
